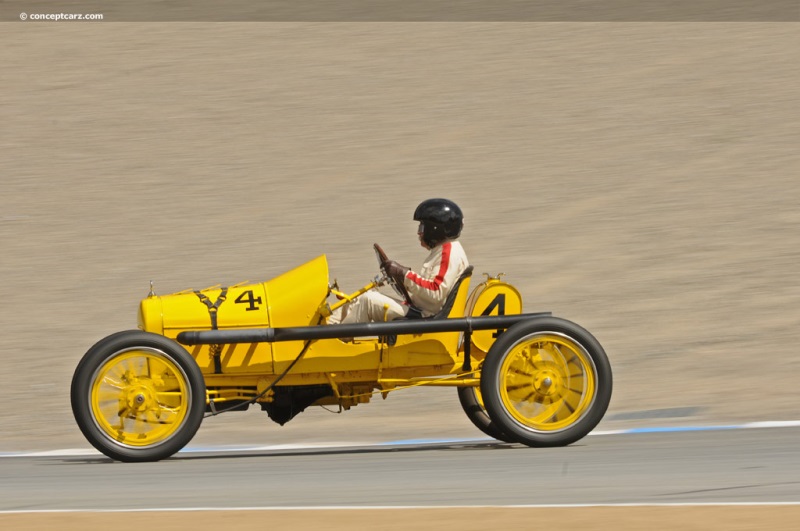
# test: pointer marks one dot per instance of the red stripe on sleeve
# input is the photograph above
(436, 282)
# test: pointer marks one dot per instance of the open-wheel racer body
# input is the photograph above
(141, 395)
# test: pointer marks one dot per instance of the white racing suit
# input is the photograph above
(428, 289)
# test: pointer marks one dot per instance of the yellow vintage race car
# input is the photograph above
(141, 395)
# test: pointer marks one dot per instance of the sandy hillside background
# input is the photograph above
(640, 179)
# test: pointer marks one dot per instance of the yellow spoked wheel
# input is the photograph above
(546, 382)
(138, 396)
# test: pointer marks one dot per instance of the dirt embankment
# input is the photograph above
(640, 179)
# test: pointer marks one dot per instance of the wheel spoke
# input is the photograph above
(129, 366)
(105, 394)
(112, 382)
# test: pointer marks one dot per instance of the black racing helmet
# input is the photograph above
(441, 220)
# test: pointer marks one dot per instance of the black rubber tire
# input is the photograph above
(491, 381)
(105, 350)
(478, 416)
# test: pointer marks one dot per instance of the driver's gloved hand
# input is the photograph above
(396, 271)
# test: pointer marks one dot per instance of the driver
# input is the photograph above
(440, 224)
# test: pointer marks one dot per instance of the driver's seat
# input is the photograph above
(444, 313)
(458, 294)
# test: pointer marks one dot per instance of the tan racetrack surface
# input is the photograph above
(640, 179)
(477, 519)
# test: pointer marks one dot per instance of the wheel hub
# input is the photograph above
(547, 383)
(139, 398)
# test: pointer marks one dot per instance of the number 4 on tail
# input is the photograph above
(498, 302)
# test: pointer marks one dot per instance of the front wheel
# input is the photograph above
(138, 396)
(546, 382)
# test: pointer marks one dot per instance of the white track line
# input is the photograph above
(407, 507)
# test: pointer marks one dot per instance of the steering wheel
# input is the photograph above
(397, 286)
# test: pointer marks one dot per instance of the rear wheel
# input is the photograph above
(138, 396)
(546, 382)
